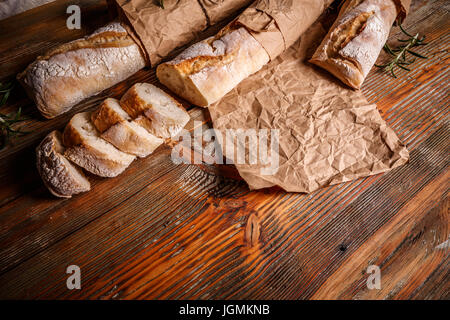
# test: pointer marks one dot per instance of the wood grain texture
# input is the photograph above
(162, 230)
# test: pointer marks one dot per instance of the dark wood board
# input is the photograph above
(162, 230)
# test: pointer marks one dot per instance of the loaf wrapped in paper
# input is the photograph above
(355, 40)
(161, 30)
(207, 70)
(300, 130)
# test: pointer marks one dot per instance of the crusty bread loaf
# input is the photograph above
(207, 70)
(125, 135)
(82, 68)
(87, 149)
(355, 40)
(62, 178)
(10, 8)
(167, 117)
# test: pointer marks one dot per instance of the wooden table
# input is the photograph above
(162, 230)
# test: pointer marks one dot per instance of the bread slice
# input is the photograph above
(167, 117)
(108, 114)
(125, 135)
(130, 137)
(87, 149)
(62, 178)
(82, 68)
(207, 70)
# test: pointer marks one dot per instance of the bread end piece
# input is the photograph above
(62, 178)
(341, 69)
(183, 86)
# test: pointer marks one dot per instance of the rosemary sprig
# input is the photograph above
(398, 54)
(7, 121)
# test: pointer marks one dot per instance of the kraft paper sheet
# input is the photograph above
(328, 134)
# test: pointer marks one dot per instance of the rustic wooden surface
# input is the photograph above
(162, 230)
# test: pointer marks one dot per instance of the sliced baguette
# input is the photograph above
(87, 149)
(62, 178)
(125, 135)
(207, 70)
(167, 117)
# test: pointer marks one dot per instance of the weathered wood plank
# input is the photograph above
(422, 222)
(166, 231)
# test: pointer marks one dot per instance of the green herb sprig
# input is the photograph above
(398, 55)
(161, 3)
(7, 121)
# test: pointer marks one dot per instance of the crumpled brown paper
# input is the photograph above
(328, 134)
(159, 31)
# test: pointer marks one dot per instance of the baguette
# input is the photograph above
(62, 178)
(355, 40)
(81, 68)
(207, 70)
(87, 149)
(116, 128)
(155, 110)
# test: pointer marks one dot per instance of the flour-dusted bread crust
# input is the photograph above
(62, 178)
(207, 70)
(86, 148)
(355, 40)
(167, 117)
(79, 69)
(116, 128)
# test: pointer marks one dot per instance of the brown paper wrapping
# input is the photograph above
(159, 31)
(327, 134)
(277, 24)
